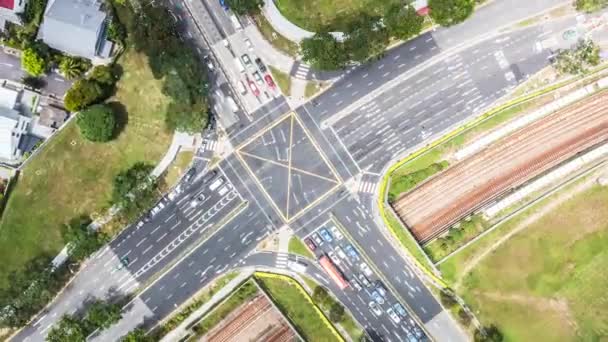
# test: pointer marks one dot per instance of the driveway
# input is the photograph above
(10, 69)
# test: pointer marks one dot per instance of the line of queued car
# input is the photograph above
(344, 251)
(259, 73)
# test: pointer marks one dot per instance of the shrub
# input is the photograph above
(82, 94)
(32, 62)
(450, 12)
(97, 123)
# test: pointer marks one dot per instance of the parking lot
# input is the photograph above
(328, 242)
(246, 71)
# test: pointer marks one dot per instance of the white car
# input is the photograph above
(333, 257)
(336, 232)
(340, 252)
(366, 270)
(391, 313)
(248, 44)
(375, 308)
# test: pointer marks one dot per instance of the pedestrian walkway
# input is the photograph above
(367, 187)
(180, 140)
(301, 71)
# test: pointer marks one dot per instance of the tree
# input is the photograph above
(365, 38)
(243, 7)
(73, 67)
(137, 335)
(81, 240)
(97, 123)
(578, 60)
(101, 315)
(336, 313)
(187, 118)
(324, 52)
(68, 329)
(82, 94)
(134, 189)
(402, 21)
(450, 12)
(488, 334)
(590, 5)
(320, 295)
(32, 62)
(104, 74)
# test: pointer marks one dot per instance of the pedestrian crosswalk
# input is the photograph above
(209, 145)
(367, 187)
(282, 259)
(302, 71)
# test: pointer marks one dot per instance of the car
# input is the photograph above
(189, 175)
(350, 250)
(140, 224)
(391, 313)
(418, 331)
(375, 308)
(224, 5)
(258, 78)
(381, 289)
(269, 81)
(377, 297)
(317, 239)
(355, 284)
(260, 65)
(209, 63)
(253, 87)
(242, 88)
(400, 310)
(333, 258)
(248, 44)
(246, 60)
(364, 280)
(311, 245)
(340, 252)
(336, 232)
(326, 235)
(197, 200)
(209, 176)
(366, 270)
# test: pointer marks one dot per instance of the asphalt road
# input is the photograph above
(189, 271)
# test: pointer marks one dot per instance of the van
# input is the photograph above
(239, 64)
(216, 184)
(232, 104)
(235, 22)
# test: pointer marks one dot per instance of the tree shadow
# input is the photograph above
(121, 115)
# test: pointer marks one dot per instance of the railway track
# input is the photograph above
(443, 200)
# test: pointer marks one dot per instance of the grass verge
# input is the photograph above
(296, 246)
(71, 176)
(276, 39)
(199, 300)
(177, 168)
(311, 89)
(244, 293)
(298, 307)
(282, 79)
(547, 281)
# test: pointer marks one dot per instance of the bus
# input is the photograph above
(333, 272)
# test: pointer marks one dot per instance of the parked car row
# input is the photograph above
(245, 64)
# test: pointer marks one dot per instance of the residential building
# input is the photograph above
(77, 28)
(13, 125)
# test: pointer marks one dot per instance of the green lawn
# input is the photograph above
(177, 168)
(547, 283)
(296, 246)
(72, 176)
(243, 294)
(311, 89)
(334, 14)
(276, 39)
(297, 308)
(282, 79)
(456, 237)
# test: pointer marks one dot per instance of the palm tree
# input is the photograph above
(72, 68)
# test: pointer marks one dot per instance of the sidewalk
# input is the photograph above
(181, 331)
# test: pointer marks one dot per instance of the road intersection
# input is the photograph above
(296, 167)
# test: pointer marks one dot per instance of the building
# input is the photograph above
(13, 125)
(77, 28)
(10, 10)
